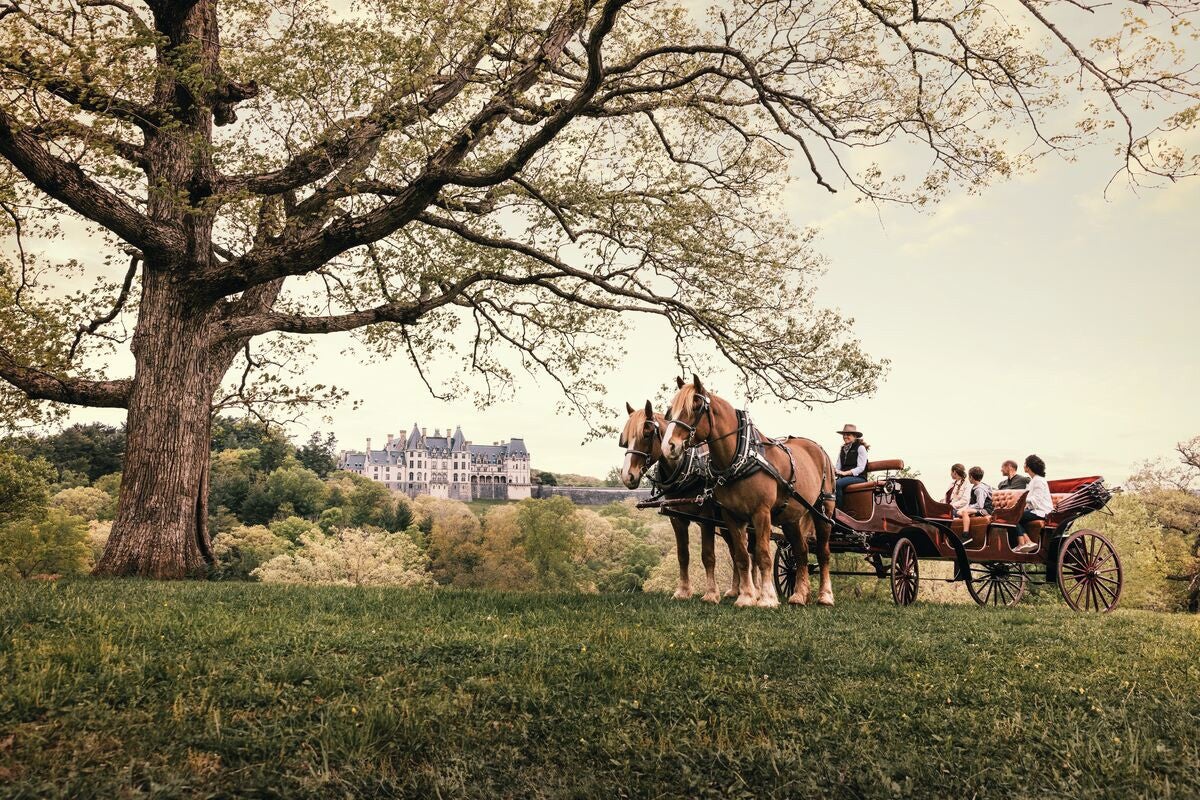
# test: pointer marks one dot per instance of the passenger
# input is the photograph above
(1011, 479)
(981, 500)
(852, 461)
(1038, 503)
(959, 493)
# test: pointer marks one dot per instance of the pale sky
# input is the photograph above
(1039, 316)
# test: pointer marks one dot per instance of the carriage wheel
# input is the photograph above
(997, 583)
(905, 572)
(785, 569)
(1089, 572)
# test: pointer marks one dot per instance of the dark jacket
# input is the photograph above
(1015, 482)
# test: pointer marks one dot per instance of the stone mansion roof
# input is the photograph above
(437, 445)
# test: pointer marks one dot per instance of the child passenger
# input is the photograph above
(980, 504)
(959, 493)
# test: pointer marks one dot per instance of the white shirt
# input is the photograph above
(1038, 500)
(960, 495)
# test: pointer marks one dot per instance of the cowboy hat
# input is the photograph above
(851, 430)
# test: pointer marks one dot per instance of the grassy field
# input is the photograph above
(130, 689)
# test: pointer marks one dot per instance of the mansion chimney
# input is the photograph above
(368, 444)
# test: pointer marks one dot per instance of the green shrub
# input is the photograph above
(24, 486)
(238, 552)
(54, 543)
(351, 557)
(85, 501)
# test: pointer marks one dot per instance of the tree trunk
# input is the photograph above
(161, 528)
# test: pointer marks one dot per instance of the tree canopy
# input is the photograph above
(486, 188)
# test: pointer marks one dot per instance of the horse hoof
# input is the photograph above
(768, 601)
(744, 600)
(711, 597)
(731, 593)
(682, 594)
(796, 600)
(825, 599)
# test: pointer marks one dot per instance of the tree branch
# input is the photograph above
(68, 184)
(39, 384)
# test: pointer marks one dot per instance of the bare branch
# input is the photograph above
(95, 324)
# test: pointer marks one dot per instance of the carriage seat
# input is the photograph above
(858, 499)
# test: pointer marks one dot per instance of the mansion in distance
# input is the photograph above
(447, 466)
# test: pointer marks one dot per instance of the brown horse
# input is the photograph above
(758, 498)
(642, 440)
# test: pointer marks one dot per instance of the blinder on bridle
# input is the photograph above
(705, 408)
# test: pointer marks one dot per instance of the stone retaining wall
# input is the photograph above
(583, 496)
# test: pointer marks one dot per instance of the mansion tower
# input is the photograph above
(445, 466)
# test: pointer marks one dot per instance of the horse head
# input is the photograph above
(642, 439)
(689, 420)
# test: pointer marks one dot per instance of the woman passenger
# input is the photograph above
(1038, 503)
(852, 461)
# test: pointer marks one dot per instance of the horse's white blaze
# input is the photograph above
(667, 434)
(625, 476)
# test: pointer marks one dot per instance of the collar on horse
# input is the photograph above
(747, 454)
(689, 473)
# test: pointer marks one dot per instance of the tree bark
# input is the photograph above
(161, 527)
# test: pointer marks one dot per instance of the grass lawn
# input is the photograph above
(126, 689)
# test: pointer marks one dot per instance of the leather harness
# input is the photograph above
(748, 459)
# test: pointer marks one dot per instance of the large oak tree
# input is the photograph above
(484, 179)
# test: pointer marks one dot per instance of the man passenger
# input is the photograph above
(1011, 479)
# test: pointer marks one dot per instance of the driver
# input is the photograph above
(852, 461)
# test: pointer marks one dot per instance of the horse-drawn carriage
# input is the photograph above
(895, 524)
(892, 521)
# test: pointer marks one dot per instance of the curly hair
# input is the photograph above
(1036, 465)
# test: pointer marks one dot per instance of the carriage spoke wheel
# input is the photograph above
(997, 583)
(785, 569)
(1089, 572)
(905, 573)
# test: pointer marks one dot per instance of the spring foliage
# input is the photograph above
(350, 557)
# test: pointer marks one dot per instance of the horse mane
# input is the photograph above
(633, 427)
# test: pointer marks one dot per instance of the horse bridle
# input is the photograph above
(656, 434)
(706, 410)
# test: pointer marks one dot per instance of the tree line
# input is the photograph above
(280, 511)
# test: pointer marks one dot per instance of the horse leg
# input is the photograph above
(824, 531)
(799, 542)
(737, 581)
(741, 559)
(709, 558)
(684, 592)
(767, 598)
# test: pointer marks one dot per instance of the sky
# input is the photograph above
(1042, 315)
(1037, 317)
